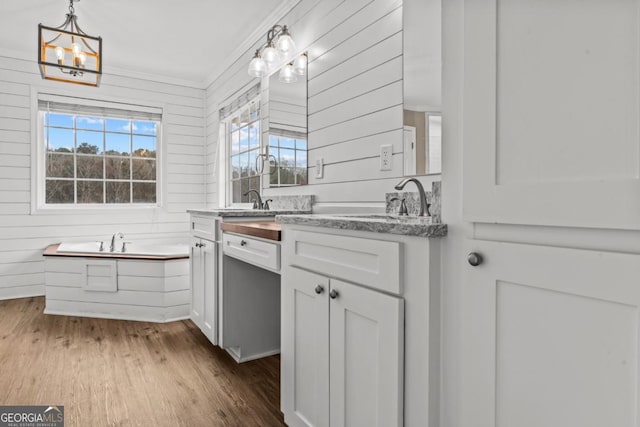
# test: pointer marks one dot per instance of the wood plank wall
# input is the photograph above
(355, 99)
(23, 236)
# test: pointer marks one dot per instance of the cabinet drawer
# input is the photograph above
(253, 251)
(203, 226)
(370, 262)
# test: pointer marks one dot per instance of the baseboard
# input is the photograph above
(235, 354)
(111, 316)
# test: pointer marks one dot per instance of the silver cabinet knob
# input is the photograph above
(333, 294)
(319, 289)
(475, 259)
(202, 245)
(243, 242)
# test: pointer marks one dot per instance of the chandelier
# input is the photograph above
(278, 48)
(68, 54)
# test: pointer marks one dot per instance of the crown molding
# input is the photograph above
(260, 31)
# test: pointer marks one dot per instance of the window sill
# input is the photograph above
(94, 209)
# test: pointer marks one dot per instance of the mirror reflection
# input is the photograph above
(287, 134)
(422, 86)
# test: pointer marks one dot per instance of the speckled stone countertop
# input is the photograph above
(248, 213)
(377, 223)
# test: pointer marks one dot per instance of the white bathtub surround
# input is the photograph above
(150, 287)
(131, 248)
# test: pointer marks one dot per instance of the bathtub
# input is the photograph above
(147, 282)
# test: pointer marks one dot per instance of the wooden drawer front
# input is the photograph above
(203, 226)
(253, 251)
(373, 263)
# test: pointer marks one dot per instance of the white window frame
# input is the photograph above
(39, 152)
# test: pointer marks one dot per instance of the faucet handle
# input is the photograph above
(101, 248)
(403, 206)
(124, 246)
(266, 204)
(255, 204)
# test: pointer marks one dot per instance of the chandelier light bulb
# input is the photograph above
(257, 66)
(287, 75)
(60, 55)
(75, 48)
(82, 58)
(285, 43)
(300, 65)
(270, 55)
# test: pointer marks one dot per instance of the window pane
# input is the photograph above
(59, 120)
(244, 164)
(301, 158)
(59, 191)
(287, 157)
(244, 187)
(144, 128)
(287, 142)
(118, 192)
(273, 141)
(93, 123)
(253, 155)
(144, 192)
(254, 135)
(89, 167)
(60, 140)
(254, 182)
(244, 139)
(237, 195)
(115, 125)
(301, 176)
(144, 169)
(90, 192)
(144, 146)
(235, 166)
(88, 142)
(287, 176)
(235, 142)
(60, 165)
(117, 144)
(118, 168)
(301, 144)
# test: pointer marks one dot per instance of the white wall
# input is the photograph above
(354, 99)
(23, 236)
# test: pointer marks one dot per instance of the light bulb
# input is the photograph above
(300, 65)
(287, 75)
(60, 55)
(82, 58)
(75, 48)
(285, 42)
(257, 66)
(270, 55)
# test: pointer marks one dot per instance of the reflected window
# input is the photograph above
(288, 158)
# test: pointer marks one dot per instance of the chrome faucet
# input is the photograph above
(424, 206)
(257, 203)
(112, 247)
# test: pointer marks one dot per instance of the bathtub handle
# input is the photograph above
(124, 246)
(101, 249)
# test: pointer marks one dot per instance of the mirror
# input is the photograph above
(287, 128)
(422, 86)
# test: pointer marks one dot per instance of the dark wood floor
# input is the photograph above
(120, 373)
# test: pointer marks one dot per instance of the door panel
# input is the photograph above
(551, 338)
(197, 283)
(551, 112)
(366, 357)
(305, 348)
(209, 270)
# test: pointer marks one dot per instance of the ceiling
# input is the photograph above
(186, 41)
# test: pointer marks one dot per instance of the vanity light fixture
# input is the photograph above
(278, 47)
(287, 74)
(68, 54)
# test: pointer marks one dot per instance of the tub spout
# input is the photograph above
(112, 247)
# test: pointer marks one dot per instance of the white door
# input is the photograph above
(305, 348)
(552, 112)
(366, 357)
(409, 152)
(209, 259)
(551, 338)
(197, 283)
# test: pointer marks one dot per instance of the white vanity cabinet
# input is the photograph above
(204, 261)
(357, 347)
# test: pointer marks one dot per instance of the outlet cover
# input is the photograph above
(386, 156)
(320, 168)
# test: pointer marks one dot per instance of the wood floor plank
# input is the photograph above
(123, 373)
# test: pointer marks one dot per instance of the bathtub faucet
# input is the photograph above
(112, 247)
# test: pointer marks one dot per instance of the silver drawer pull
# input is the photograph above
(333, 294)
(319, 289)
(243, 243)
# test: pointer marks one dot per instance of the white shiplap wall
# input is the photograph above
(355, 99)
(23, 235)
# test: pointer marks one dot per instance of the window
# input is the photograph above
(289, 149)
(244, 149)
(98, 156)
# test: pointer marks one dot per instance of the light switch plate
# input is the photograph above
(320, 168)
(386, 155)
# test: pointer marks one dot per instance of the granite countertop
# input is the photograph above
(377, 223)
(239, 213)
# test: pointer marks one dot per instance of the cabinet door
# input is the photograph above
(550, 338)
(551, 113)
(366, 357)
(197, 283)
(305, 348)
(209, 261)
